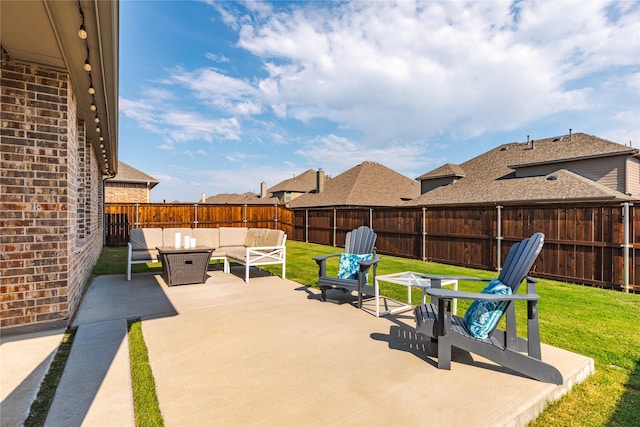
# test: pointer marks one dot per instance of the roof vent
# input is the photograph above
(505, 148)
(553, 177)
(557, 139)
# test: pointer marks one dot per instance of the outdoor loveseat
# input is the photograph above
(246, 246)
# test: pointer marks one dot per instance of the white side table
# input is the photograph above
(410, 279)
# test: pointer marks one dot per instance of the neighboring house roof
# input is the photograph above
(303, 183)
(448, 170)
(367, 184)
(241, 199)
(129, 174)
(491, 176)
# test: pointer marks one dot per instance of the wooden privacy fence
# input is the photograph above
(595, 244)
(122, 217)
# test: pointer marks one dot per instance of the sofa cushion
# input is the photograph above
(233, 236)
(264, 237)
(145, 238)
(209, 237)
(274, 238)
(231, 250)
(237, 254)
(255, 237)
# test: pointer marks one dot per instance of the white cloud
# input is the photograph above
(408, 70)
(216, 57)
(337, 154)
(176, 125)
(230, 95)
(188, 126)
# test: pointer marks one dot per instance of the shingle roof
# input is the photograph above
(444, 171)
(303, 183)
(490, 177)
(129, 174)
(241, 199)
(367, 184)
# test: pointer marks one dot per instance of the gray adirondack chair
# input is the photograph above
(506, 348)
(359, 241)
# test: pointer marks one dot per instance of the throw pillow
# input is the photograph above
(349, 267)
(482, 316)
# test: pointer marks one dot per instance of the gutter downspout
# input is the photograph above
(104, 205)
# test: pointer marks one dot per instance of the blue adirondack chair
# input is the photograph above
(435, 320)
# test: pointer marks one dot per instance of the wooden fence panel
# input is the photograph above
(320, 227)
(399, 231)
(462, 236)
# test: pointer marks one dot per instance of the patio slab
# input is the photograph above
(271, 353)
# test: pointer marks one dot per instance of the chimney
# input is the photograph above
(319, 181)
(528, 139)
(570, 134)
(204, 198)
(533, 144)
(263, 190)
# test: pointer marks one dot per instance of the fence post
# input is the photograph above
(306, 225)
(195, 217)
(137, 213)
(625, 246)
(424, 233)
(244, 215)
(275, 214)
(371, 218)
(499, 236)
(334, 226)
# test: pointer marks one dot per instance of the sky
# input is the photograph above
(219, 96)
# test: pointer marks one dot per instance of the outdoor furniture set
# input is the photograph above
(475, 332)
(251, 247)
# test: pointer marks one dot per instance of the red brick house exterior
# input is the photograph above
(54, 154)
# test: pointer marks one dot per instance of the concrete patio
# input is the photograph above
(265, 353)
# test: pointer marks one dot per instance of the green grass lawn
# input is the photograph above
(601, 324)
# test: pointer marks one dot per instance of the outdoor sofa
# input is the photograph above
(247, 246)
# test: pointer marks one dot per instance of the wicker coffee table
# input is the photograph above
(184, 266)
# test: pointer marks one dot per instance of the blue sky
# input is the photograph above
(218, 96)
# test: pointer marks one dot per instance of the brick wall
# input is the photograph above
(50, 191)
(122, 192)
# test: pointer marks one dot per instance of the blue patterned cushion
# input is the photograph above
(482, 316)
(349, 266)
